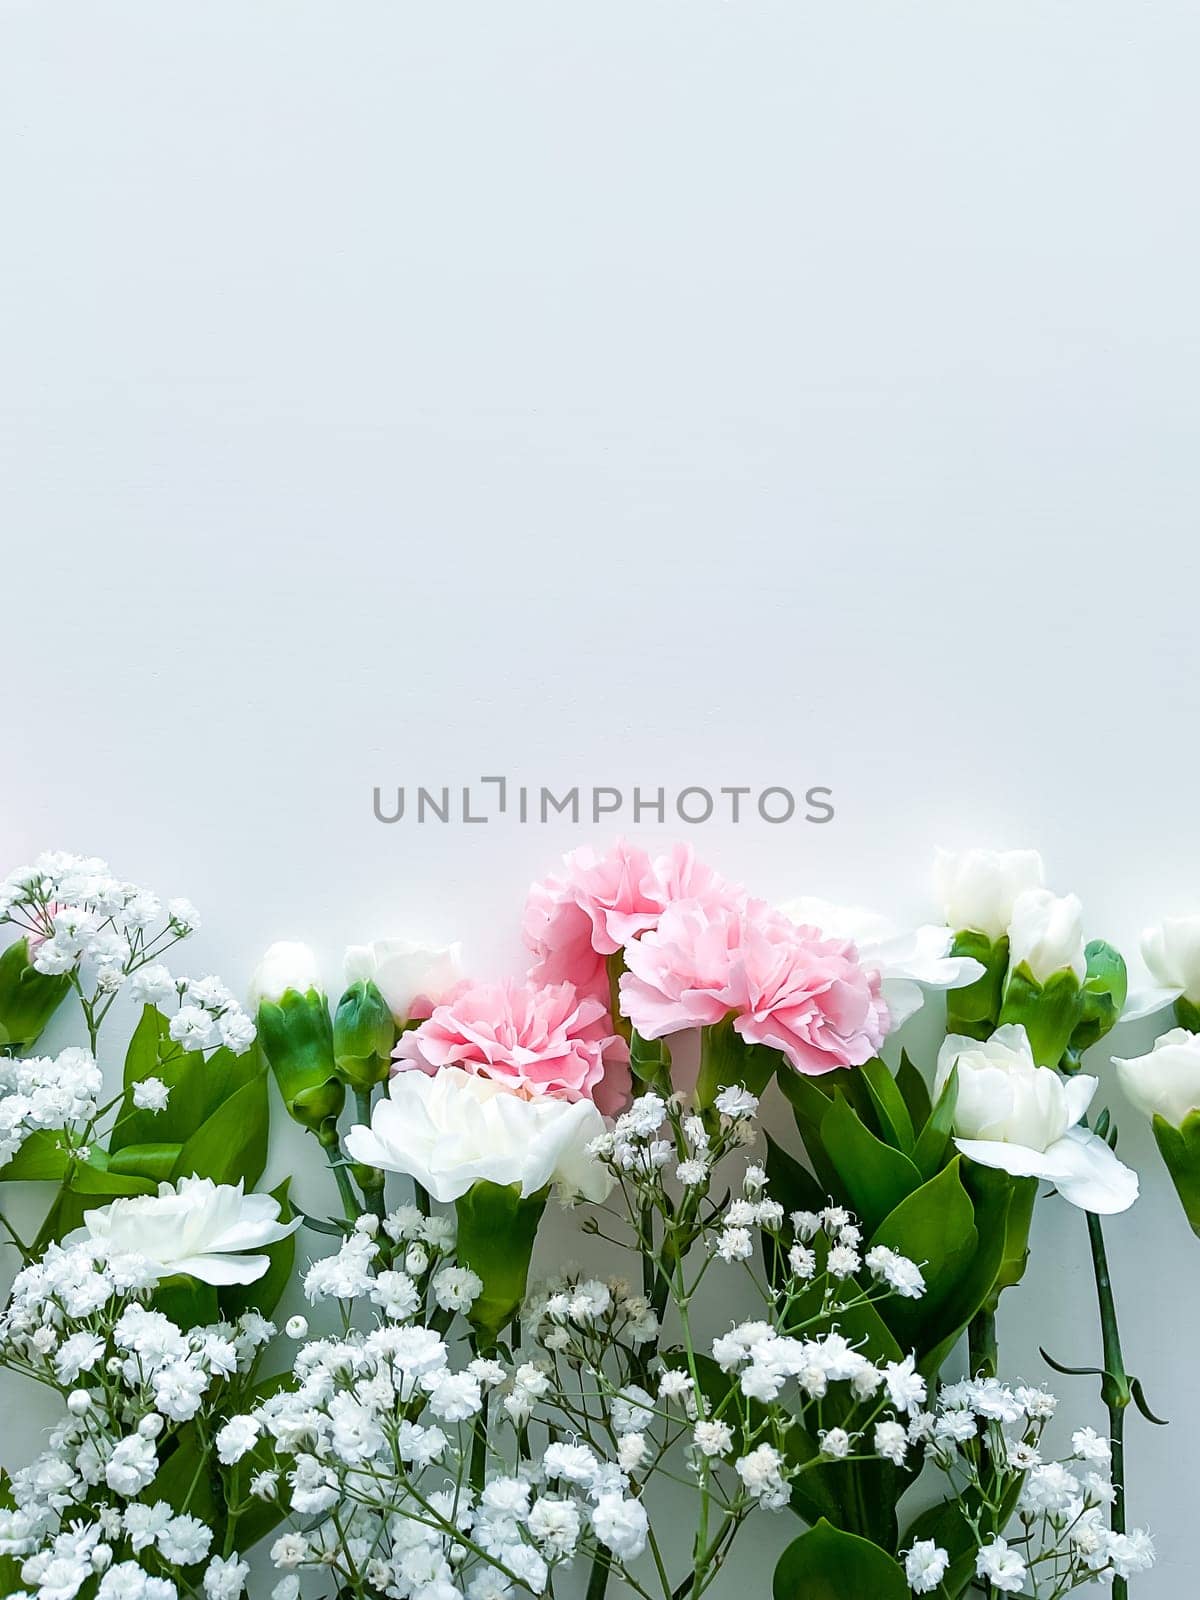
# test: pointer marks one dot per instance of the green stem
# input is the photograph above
(1114, 1386)
(479, 1448)
(337, 1164)
(981, 1344)
(372, 1181)
(598, 1577)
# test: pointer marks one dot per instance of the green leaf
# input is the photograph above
(153, 1161)
(28, 998)
(186, 1479)
(894, 1121)
(810, 1108)
(946, 1525)
(791, 1184)
(264, 1295)
(977, 1283)
(1002, 1201)
(1180, 1149)
(827, 1564)
(726, 1059)
(188, 1302)
(41, 1158)
(198, 1086)
(935, 1227)
(934, 1143)
(913, 1087)
(873, 1175)
(231, 1147)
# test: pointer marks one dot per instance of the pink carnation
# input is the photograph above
(601, 904)
(787, 986)
(537, 1040)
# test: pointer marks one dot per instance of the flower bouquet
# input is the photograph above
(759, 1325)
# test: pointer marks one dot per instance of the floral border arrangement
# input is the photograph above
(462, 1423)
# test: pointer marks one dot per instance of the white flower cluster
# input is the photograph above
(40, 1092)
(83, 1510)
(109, 935)
(987, 1437)
(383, 1428)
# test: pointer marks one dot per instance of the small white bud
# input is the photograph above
(79, 1402)
(296, 1327)
(151, 1425)
(368, 1223)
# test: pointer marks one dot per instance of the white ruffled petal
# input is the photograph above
(219, 1270)
(1088, 1174)
(1148, 1002)
(1080, 1092)
(1017, 1159)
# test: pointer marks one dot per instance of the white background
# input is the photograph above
(644, 392)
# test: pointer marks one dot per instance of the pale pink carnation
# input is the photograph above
(601, 904)
(786, 986)
(538, 1040)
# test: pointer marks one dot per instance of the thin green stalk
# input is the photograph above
(598, 1577)
(1114, 1386)
(337, 1163)
(372, 1183)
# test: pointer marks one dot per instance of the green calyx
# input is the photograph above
(297, 1038)
(497, 1227)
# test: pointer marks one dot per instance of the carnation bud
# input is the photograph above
(79, 1402)
(1047, 967)
(297, 1038)
(363, 1036)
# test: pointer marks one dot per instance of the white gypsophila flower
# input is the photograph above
(456, 1288)
(1166, 1081)
(977, 889)
(185, 1541)
(713, 1438)
(409, 975)
(132, 1466)
(286, 965)
(151, 1094)
(1024, 1119)
(454, 1129)
(891, 1442)
(236, 1439)
(153, 985)
(225, 1577)
(908, 963)
(925, 1566)
(196, 1227)
(736, 1101)
(1045, 934)
(621, 1525)
(900, 1274)
(1001, 1566)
